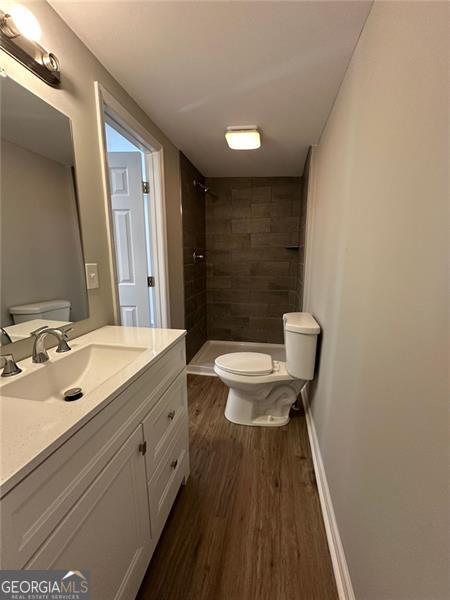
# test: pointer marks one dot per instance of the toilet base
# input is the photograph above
(264, 421)
(258, 410)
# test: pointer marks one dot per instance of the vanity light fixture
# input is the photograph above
(21, 21)
(20, 34)
(243, 138)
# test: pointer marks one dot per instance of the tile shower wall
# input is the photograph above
(193, 206)
(252, 273)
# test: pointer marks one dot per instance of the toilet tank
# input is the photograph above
(300, 339)
(53, 310)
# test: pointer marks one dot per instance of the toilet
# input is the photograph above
(52, 310)
(263, 390)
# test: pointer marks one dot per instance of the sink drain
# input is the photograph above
(73, 394)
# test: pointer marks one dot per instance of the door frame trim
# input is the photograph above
(107, 104)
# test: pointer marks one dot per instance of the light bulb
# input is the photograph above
(25, 22)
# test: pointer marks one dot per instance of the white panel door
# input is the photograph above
(125, 175)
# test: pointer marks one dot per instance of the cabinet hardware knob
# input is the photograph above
(171, 415)
(174, 464)
(143, 448)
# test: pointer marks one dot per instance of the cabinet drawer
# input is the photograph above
(32, 510)
(164, 485)
(163, 420)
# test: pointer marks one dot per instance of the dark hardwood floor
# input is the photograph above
(248, 525)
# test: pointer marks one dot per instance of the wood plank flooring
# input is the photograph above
(248, 525)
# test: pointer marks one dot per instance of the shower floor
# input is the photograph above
(203, 361)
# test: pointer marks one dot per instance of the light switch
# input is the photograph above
(92, 276)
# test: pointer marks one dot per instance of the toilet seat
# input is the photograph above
(245, 363)
(278, 374)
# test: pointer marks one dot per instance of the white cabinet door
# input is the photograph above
(108, 531)
(128, 215)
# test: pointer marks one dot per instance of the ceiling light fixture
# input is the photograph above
(243, 138)
(20, 33)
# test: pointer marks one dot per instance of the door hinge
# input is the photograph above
(151, 281)
(143, 448)
(145, 187)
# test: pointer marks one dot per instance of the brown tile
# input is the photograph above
(218, 225)
(241, 282)
(219, 333)
(250, 225)
(238, 183)
(287, 191)
(272, 297)
(228, 295)
(278, 310)
(232, 268)
(282, 208)
(219, 241)
(279, 282)
(273, 240)
(263, 209)
(268, 323)
(283, 224)
(219, 310)
(252, 310)
(241, 210)
(215, 283)
(272, 268)
(260, 254)
(261, 194)
(214, 256)
(219, 211)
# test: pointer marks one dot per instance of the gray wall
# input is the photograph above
(252, 278)
(193, 202)
(41, 255)
(377, 282)
(76, 98)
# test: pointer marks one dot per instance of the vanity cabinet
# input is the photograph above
(108, 529)
(100, 501)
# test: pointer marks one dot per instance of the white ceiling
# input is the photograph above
(198, 67)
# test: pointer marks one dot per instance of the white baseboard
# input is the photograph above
(340, 568)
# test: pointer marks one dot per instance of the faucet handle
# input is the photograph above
(38, 330)
(66, 332)
(10, 367)
(63, 346)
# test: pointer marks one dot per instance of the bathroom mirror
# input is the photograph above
(42, 264)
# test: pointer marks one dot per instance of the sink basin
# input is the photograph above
(86, 367)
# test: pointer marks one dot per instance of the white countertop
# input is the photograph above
(31, 430)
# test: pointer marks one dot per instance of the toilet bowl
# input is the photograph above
(263, 390)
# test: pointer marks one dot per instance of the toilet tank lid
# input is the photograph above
(38, 307)
(301, 322)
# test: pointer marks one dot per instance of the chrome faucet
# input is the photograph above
(40, 354)
(9, 365)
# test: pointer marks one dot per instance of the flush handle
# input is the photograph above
(174, 464)
(171, 415)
